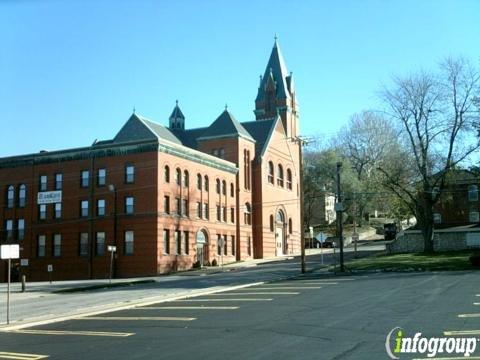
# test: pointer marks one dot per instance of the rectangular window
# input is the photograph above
(41, 246)
(57, 245)
(166, 204)
(206, 211)
(42, 211)
(166, 241)
(21, 229)
(437, 218)
(232, 215)
(199, 210)
(129, 205)
(473, 216)
(186, 244)
(10, 197)
(58, 210)
(185, 207)
(233, 244)
(219, 213)
(129, 174)
(249, 246)
(83, 248)
(178, 206)
(85, 178)
(101, 177)
(219, 244)
(58, 181)
(129, 238)
(22, 196)
(9, 229)
(178, 242)
(100, 243)
(42, 183)
(224, 214)
(225, 245)
(84, 208)
(101, 207)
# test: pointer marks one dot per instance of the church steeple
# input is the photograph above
(276, 93)
(177, 120)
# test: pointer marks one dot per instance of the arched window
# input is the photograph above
(22, 195)
(280, 217)
(272, 225)
(280, 175)
(248, 214)
(218, 186)
(473, 193)
(289, 179)
(199, 182)
(206, 183)
(270, 172)
(166, 174)
(224, 187)
(178, 176)
(186, 179)
(290, 226)
(232, 190)
(10, 196)
(221, 153)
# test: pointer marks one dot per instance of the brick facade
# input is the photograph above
(166, 197)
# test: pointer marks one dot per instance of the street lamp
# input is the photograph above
(113, 248)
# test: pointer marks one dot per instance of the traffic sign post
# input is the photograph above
(321, 237)
(50, 271)
(9, 252)
(112, 249)
(221, 243)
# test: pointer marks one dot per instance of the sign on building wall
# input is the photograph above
(49, 197)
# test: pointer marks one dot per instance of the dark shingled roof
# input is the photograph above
(225, 125)
(139, 128)
(177, 113)
(189, 137)
(260, 131)
(276, 65)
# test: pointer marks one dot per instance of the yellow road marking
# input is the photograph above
(137, 318)
(281, 288)
(469, 315)
(189, 308)
(19, 356)
(461, 332)
(242, 299)
(75, 333)
(259, 293)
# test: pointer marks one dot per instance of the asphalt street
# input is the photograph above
(317, 316)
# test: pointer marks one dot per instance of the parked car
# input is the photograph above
(389, 231)
(329, 242)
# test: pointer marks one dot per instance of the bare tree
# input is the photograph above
(368, 141)
(438, 124)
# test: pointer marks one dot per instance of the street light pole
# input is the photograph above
(339, 209)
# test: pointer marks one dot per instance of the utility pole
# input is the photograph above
(302, 202)
(355, 235)
(339, 210)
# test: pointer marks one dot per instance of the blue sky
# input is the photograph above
(71, 71)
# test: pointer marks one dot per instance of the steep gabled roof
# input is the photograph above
(261, 131)
(278, 70)
(140, 128)
(225, 126)
(177, 113)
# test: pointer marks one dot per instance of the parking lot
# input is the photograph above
(311, 317)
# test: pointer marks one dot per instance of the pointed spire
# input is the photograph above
(278, 70)
(177, 120)
(134, 109)
(226, 107)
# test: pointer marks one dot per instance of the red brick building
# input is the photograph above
(165, 197)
